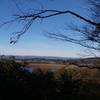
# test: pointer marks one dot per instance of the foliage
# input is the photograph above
(18, 83)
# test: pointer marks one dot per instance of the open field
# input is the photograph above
(46, 66)
(81, 71)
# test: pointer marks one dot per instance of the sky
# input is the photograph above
(33, 42)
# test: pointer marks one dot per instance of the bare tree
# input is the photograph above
(88, 36)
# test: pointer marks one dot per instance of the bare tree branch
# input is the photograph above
(88, 38)
(43, 14)
(82, 42)
(55, 13)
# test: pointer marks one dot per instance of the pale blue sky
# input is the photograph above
(34, 42)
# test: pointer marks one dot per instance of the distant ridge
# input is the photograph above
(36, 57)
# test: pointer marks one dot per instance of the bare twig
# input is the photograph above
(43, 14)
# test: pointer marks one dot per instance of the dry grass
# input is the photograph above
(46, 66)
(82, 72)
